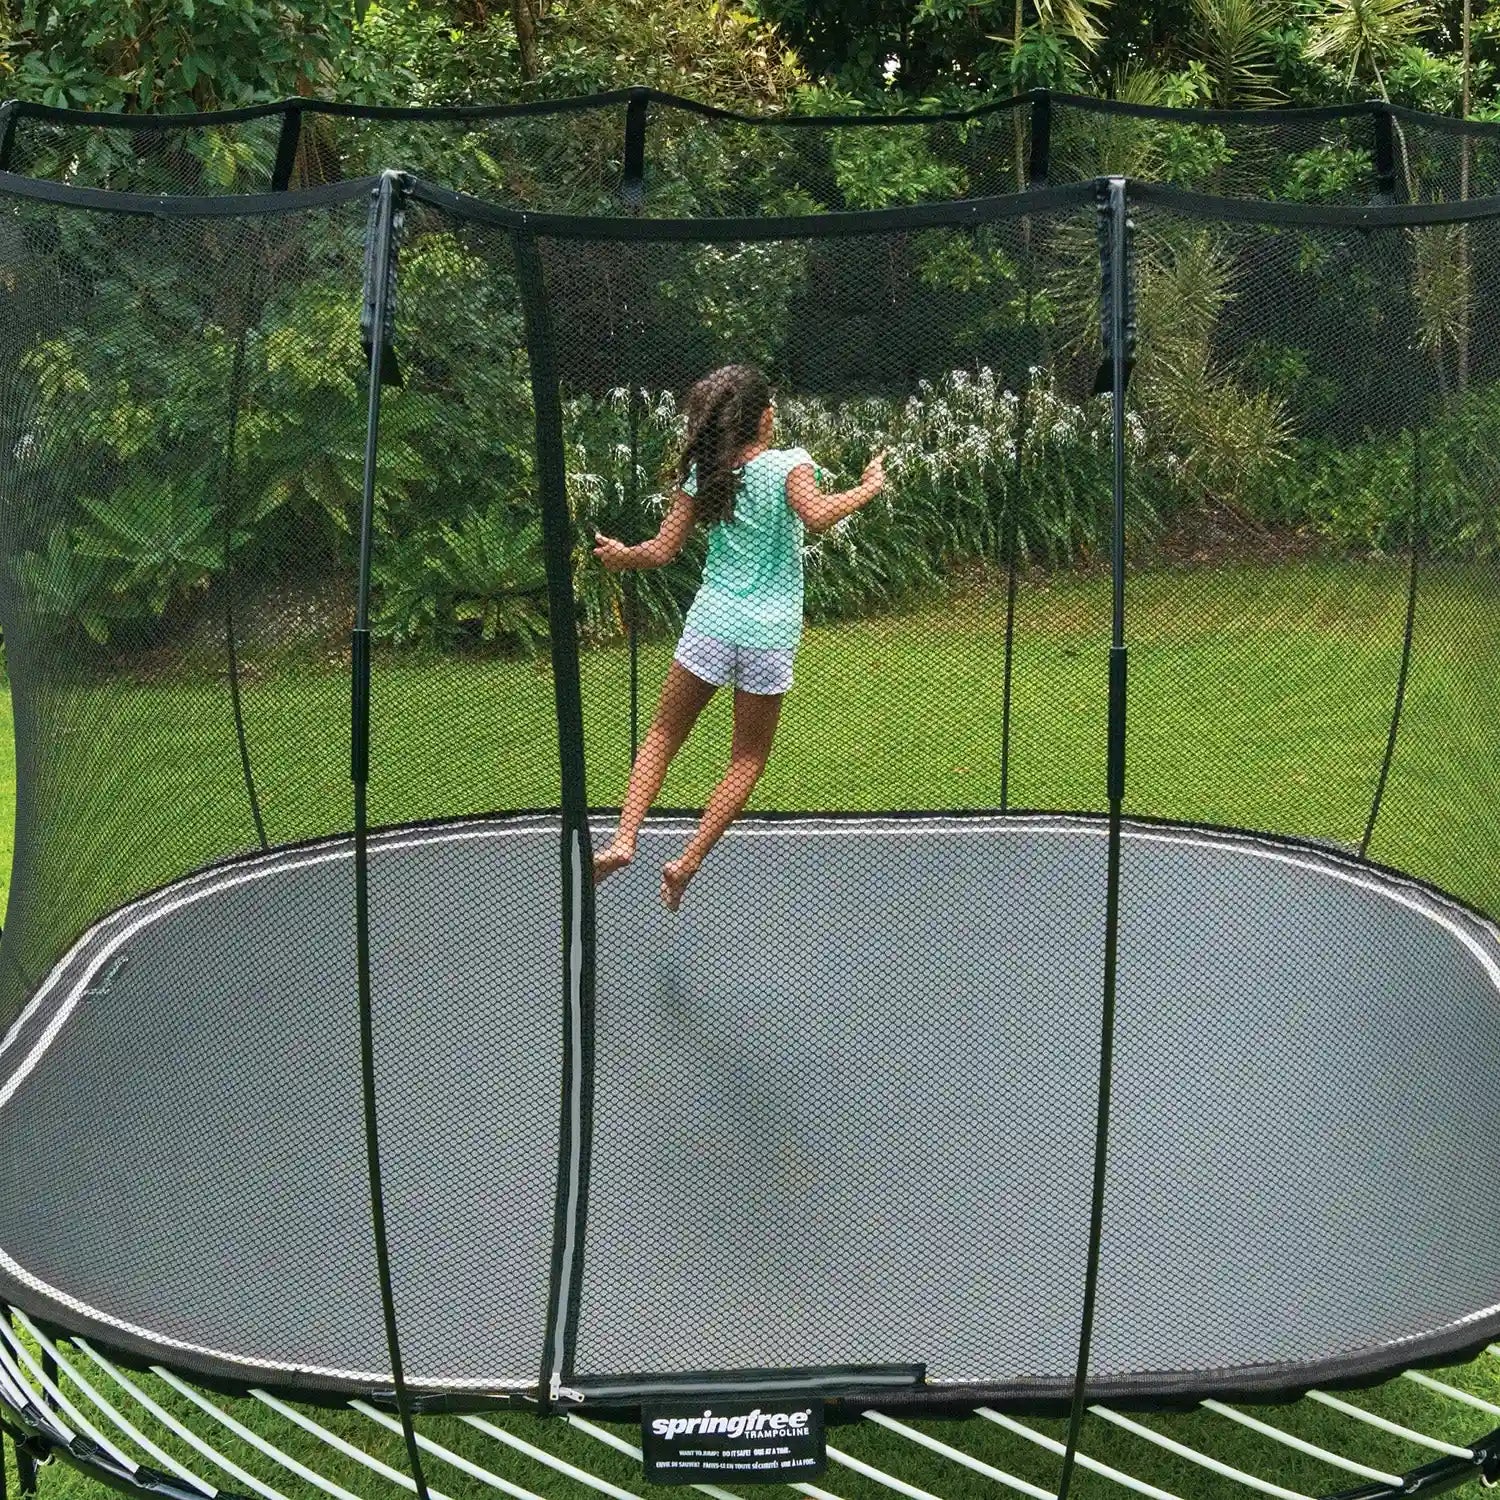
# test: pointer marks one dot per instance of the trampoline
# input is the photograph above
(1099, 1007)
(786, 1111)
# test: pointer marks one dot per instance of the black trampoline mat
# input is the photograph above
(843, 1110)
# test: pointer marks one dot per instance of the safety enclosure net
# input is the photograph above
(641, 149)
(1108, 946)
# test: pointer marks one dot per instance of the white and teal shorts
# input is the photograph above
(752, 669)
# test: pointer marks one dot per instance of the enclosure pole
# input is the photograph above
(1464, 260)
(1006, 690)
(8, 113)
(1118, 298)
(1038, 166)
(633, 195)
(1414, 528)
(377, 297)
(287, 142)
(236, 395)
(566, 1278)
(1012, 548)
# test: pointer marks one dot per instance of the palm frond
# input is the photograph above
(1363, 35)
(1234, 40)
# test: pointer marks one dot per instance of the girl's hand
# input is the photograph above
(872, 481)
(614, 557)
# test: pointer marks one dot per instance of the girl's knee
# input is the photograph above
(748, 765)
(666, 738)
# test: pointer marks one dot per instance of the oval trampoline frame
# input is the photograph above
(74, 1397)
(74, 1402)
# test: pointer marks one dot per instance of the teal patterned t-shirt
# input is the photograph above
(751, 594)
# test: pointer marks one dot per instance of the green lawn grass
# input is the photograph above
(892, 1452)
(1259, 696)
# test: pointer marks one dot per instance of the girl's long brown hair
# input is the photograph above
(723, 417)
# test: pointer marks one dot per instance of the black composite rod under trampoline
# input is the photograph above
(25, 1467)
(1118, 295)
(379, 297)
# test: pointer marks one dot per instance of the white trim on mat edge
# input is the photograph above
(1331, 864)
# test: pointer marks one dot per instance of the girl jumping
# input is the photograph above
(746, 621)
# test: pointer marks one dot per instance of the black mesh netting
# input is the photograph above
(836, 1114)
(621, 152)
(1296, 667)
(182, 425)
(145, 154)
(1301, 155)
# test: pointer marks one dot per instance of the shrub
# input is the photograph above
(480, 580)
(1444, 475)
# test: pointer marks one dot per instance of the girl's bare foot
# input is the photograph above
(615, 856)
(674, 881)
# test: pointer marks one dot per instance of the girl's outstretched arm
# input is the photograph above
(676, 526)
(819, 511)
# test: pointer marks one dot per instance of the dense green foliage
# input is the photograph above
(173, 54)
(201, 54)
(217, 447)
(176, 55)
(1228, 53)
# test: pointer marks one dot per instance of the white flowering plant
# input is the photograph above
(975, 469)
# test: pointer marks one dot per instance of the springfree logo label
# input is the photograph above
(747, 1442)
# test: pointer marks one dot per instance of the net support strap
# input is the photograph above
(1414, 543)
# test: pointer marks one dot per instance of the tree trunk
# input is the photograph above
(1020, 115)
(523, 13)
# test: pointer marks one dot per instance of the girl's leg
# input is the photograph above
(683, 698)
(755, 718)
